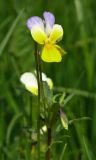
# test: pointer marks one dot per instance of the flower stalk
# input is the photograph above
(48, 152)
(40, 94)
(39, 97)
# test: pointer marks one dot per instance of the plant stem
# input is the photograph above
(42, 88)
(48, 153)
(39, 97)
(47, 157)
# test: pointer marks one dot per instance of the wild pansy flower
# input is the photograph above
(45, 32)
(30, 82)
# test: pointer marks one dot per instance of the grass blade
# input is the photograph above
(8, 35)
(63, 151)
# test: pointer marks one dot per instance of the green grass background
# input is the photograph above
(76, 74)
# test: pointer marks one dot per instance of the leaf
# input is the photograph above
(55, 100)
(8, 35)
(88, 153)
(62, 98)
(11, 126)
(47, 93)
(63, 151)
(79, 119)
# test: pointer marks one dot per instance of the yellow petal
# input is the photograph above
(56, 33)
(51, 54)
(50, 83)
(61, 50)
(33, 90)
(38, 35)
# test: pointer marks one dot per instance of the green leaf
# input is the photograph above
(63, 151)
(62, 98)
(11, 126)
(47, 93)
(8, 35)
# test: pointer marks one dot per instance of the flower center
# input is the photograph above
(48, 46)
(48, 42)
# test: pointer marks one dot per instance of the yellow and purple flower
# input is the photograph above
(45, 32)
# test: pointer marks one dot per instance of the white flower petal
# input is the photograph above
(28, 79)
(44, 77)
(43, 129)
(48, 80)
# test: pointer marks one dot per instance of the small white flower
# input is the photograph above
(30, 82)
(43, 129)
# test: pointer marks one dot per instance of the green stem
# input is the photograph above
(47, 156)
(42, 88)
(48, 153)
(30, 117)
(39, 97)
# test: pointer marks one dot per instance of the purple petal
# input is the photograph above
(35, 21)
(49, 18)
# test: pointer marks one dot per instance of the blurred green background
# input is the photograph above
(76, 73)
